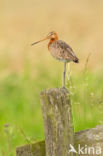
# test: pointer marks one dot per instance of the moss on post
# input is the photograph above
(58, 125)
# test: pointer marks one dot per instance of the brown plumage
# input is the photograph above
(60, 51)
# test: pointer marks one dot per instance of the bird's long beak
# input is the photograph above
(39, 41)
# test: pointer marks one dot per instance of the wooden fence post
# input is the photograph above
(58, 125)
(91, 138)
(58, 128)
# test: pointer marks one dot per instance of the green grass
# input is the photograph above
(86, 98)
(20, 105)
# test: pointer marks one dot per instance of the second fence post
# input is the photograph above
(58, 125)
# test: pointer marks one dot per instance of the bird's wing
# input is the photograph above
(66, 51)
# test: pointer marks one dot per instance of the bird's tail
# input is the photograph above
(76, 60)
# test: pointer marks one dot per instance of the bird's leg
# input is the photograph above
(64, 74)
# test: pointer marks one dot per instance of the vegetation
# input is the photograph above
(20, 111)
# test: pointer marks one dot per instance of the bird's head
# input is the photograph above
(52, 36)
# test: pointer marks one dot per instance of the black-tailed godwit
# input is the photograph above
(60, 51)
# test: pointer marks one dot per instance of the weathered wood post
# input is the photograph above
(58, 125)
(58, 128)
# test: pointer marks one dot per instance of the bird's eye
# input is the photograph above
(50, 34)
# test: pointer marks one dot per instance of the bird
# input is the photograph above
(60, 51)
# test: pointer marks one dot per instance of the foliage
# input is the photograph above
(20, 110)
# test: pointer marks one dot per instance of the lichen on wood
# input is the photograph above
(58, 124)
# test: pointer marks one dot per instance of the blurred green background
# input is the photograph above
(25, 71)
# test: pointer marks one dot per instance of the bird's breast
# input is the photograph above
(54, 50)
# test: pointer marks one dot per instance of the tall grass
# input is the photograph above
(21, 111)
